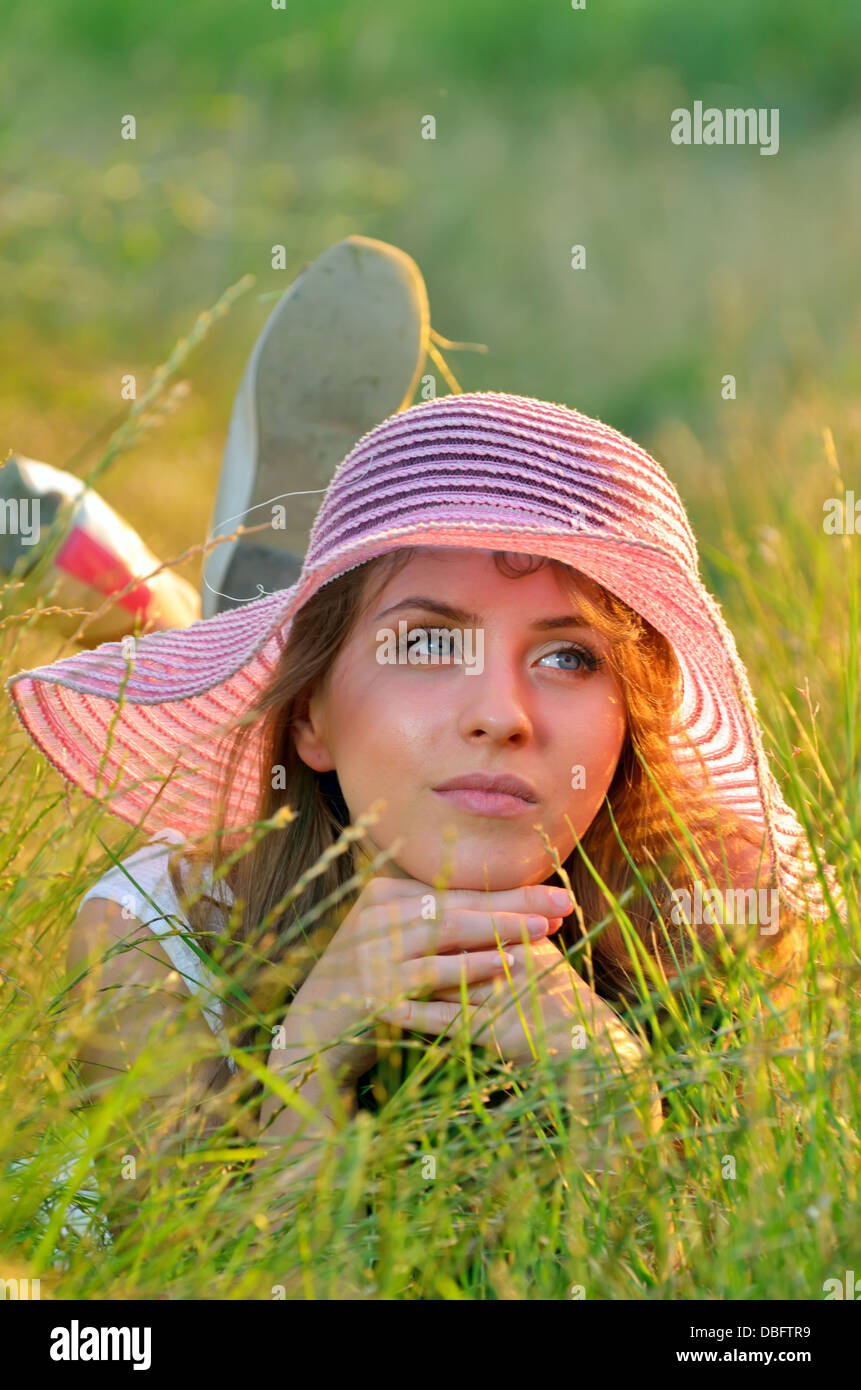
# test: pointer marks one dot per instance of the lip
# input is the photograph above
(488, 794)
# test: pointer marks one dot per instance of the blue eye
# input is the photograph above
(433, 642)
(580, 658)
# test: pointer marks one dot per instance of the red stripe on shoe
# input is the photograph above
(87, 560)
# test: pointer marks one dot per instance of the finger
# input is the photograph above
(475, 994)
(382, 925)
(462, 929)
(533, 898)
(426, 1016)
(428, 974)
(386, 904)
(500, 989)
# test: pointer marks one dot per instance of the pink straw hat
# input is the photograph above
(479, 470)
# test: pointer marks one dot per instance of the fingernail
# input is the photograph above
(536, 926)
(559, 898)
(555, 923)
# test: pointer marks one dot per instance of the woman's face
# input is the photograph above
(533, 698)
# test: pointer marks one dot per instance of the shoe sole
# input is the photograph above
(342, 350)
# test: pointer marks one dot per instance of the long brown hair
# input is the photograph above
(632, 844)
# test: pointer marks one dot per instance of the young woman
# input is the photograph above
(593, 741)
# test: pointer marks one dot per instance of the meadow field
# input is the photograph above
(257, 128)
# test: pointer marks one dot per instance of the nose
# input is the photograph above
(494, 705)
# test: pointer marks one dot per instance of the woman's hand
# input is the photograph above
(401, 942)
(573, 1017)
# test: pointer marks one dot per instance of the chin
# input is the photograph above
(473, 872)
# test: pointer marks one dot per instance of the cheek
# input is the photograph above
(381, 727)
(596, 739)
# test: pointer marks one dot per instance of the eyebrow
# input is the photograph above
(467, 619)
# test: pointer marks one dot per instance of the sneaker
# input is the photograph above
(99, 555)
(342, 350)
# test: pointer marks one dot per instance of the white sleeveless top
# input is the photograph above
(142, 885)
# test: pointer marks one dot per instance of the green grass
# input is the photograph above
(700, 263)
(735, 1198)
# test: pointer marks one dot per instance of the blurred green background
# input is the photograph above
(299, 126)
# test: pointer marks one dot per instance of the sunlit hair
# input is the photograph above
(647, 798)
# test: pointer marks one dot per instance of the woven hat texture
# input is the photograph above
(478, 470)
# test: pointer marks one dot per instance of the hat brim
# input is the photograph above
(149, 734)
